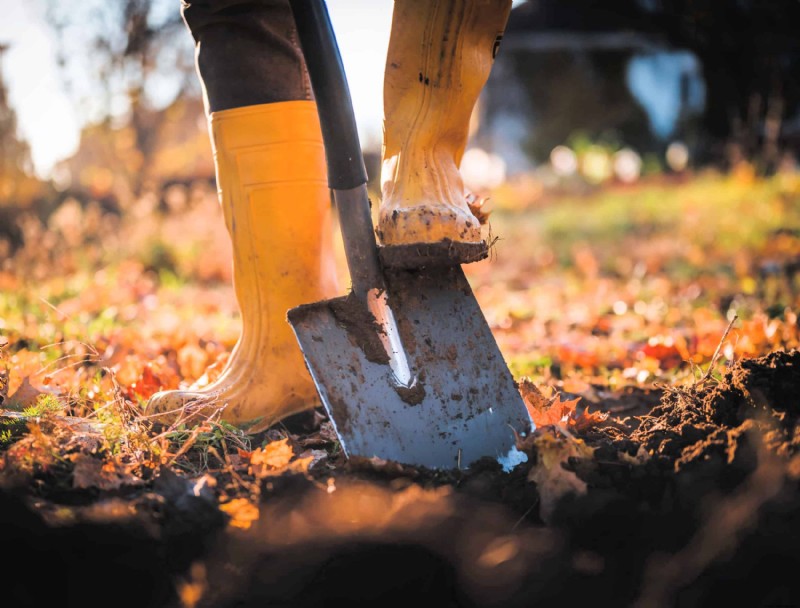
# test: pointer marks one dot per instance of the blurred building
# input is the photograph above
(642, 74)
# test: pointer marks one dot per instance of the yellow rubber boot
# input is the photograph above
(439, 58)
(272, 185)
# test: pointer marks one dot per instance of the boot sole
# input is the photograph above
(442, 253)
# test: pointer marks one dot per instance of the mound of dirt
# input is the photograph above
(693, 503)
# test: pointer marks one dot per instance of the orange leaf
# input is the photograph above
(586, 420)
(140, 379)
(272, 457)
(192, 361)
(545, 411)
(663, 350)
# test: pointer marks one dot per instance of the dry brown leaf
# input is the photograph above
(552, 480)
(312, 457)
(25, 396)
(476, 206)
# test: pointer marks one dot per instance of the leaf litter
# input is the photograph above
(663, 470)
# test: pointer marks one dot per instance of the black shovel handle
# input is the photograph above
(345, 162)
(347, 175)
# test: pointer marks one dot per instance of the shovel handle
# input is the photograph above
(345, 161)
(347, 175)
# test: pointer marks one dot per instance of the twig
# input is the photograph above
(229, 468)
(716, 352)
(187, 445)
(64, 316)
(524, 515)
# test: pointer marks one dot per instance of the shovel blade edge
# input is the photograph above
(466, 405)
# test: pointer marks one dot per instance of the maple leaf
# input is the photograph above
(549, 411)
(546, 411)
(586, 420)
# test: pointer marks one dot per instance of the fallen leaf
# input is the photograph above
(586, 420)
(313, 457)
(140, 379)
(325, 435)
(275, 456)
(25, 396)
(553, 450)
(546, 411)
(192, 361)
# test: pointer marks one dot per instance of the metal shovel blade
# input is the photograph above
(464, 403)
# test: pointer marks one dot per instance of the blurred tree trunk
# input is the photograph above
(17, 181)
(140, 61)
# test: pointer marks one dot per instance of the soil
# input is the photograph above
(423, 255)
(690, 498)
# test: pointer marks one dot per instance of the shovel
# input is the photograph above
(406, 365)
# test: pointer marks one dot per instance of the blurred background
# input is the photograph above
(640, 158)
(99, 100)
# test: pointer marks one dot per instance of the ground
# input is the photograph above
(651, 328)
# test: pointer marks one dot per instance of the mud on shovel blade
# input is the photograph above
(405, 365)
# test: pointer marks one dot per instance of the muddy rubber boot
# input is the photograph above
(272, 184)
(439, 58)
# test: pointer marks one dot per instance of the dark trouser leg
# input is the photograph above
(247, 52)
